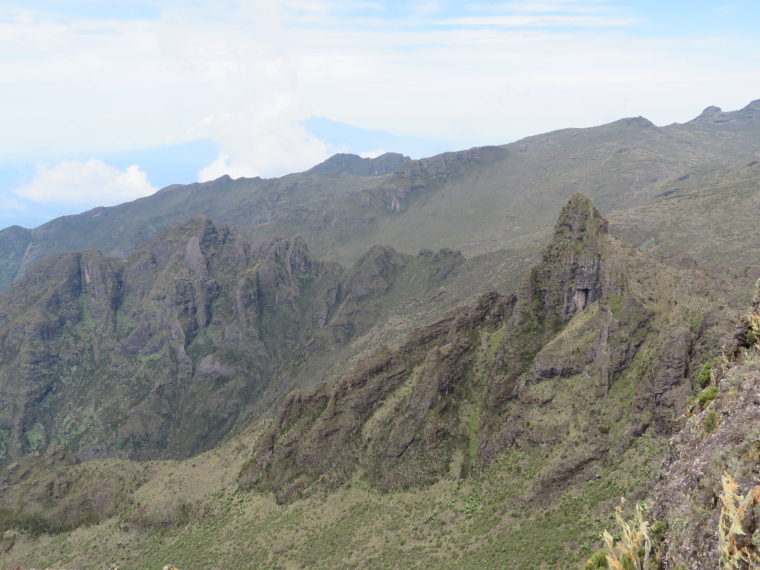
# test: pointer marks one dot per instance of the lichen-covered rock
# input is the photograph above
(719, 441)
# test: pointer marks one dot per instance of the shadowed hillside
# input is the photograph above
(198, 333)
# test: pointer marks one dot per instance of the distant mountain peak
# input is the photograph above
(634, 122)
(639, 122)
(353, 164)
(716, 116)
(709, 113)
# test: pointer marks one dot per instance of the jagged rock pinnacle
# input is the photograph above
(579, 219)
(570, 274)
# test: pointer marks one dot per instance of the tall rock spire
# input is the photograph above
(569, 276)
(579, 220)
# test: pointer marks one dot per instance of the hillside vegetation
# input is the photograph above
(456, 361)
(501, 434)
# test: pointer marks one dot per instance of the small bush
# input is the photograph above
(632, 551)
(711, 421)
(597, 561)
(704, 375)
(707, 396)
(731, 525)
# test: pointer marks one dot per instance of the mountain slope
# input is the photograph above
(595, 325)
(499, 434)
(476, 201)
(705, 504)
(198, 333)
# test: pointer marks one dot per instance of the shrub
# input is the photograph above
(633, 549)
(704, 375)
(733, 554)
(597, 562)
(707, 396)
(711, 421)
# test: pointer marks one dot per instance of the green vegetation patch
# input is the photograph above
(35, 437)
(706, 396)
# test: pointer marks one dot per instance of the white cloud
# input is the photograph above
(256, 68)
(222, 166)
(11, 206)
(91, 183)
(263, 138)
(537, 21)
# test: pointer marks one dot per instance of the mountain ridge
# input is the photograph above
(362, 166)
(582, 268)
(488, 198)
(500, 420)
(248, 400)
(198, 309)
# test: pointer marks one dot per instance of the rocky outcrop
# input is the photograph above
(320, 434)
(721, 438)
(173, 344)
(716, 116)
(446, 163)
(593, 320)
(571, 276)
(197, 333)
(717, 447)
(577, 269)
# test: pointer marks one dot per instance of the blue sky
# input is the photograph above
(106, 101)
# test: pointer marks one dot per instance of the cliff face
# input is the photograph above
(711, 521)
(157, 354)
(589, 354)
(196, 334)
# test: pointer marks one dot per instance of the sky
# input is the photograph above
(103, 102)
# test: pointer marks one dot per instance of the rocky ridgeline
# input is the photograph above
(534, 397)
(707, 501)
(196, 334)
(702, 174)
(546, 367)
